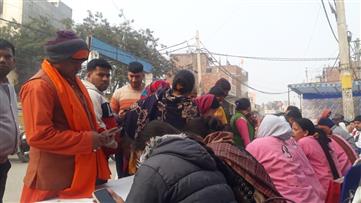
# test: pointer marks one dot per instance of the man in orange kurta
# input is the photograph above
(66, 160)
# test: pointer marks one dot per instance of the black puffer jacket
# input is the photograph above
(178, 169)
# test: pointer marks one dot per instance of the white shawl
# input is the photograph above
(274, 126)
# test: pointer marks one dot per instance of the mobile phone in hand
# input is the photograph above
(111, 132)
(103, 196)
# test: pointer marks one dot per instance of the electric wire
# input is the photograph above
(274, 58)
(328, 20)
(224, 70)
(175, 45)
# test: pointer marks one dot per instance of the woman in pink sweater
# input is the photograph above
(319, 149)
(285, 161)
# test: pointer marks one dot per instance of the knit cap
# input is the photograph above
(326, 122)
(66, 45)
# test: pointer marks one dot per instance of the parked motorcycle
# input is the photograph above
(23, 149)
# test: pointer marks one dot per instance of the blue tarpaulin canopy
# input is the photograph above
(323, 89)
(117, 53)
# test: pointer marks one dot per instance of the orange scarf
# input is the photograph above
(88, 166)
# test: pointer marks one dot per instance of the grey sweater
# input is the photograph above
(345, 135)
(9, 132)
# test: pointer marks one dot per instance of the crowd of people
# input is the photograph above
(180, 146)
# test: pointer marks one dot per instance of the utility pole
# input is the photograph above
(357, 58)
(199, 67)
(306, 75)
(346, 76)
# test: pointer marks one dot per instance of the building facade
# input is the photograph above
(233, 73)
(210, 74)
(331, 74)
(22, 11)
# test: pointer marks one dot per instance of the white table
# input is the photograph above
(121, 187)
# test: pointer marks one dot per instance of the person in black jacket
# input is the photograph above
(175, 168)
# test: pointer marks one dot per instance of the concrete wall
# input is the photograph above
(11, 10)
(23, 10)
(189, 61)
(210, 74)
(54, 10)
(333, 74)
(237, 89)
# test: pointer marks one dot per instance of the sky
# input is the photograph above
(266, 28)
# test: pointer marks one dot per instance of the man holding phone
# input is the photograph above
(127, 95)
(97, 81)
(66, 158)
(123, 98)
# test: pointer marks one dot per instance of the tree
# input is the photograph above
(28, 41)
(141, 43)
(30, 38)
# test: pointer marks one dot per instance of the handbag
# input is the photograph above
(334, 188)
(334, 191)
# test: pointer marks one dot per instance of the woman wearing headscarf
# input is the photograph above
(207, 104)
(319, 149)
(154, 87)
(248, 178)
(221, 89)
(171, 105)
(285, 162)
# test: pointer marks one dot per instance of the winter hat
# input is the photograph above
(326, 122)
(66, 45)
(158, 84)
(206, 102)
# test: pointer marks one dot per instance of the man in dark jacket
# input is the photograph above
(174, 168)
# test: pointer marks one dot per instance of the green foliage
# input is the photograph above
(30, 38)
(141, 43)
(28, 41)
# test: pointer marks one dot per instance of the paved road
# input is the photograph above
(15, 179)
